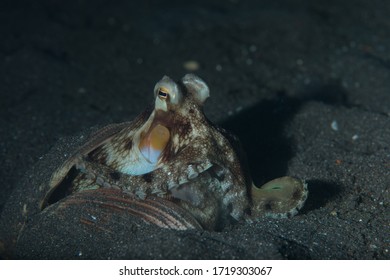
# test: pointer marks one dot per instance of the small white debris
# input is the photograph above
(333, 213)
(93, 217)
(218, 67)
(80, 254)
(373, 246)
(355, 137)
(191, 65)
(334, 125)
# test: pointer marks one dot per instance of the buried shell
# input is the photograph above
(97, 207)
(91, 224)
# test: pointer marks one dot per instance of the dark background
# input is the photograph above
(280, 73)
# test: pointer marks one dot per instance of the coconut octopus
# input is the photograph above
(170, 167)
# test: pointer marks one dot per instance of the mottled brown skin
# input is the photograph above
(198, 169)
(200, 166)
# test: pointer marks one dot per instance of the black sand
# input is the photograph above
(304, 84)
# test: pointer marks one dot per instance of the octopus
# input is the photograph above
(172, 152)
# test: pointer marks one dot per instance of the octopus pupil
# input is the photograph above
(162, 94)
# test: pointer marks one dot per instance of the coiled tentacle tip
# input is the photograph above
(279, 198)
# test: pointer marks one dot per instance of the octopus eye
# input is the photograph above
(163, 93)
(166, 93)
